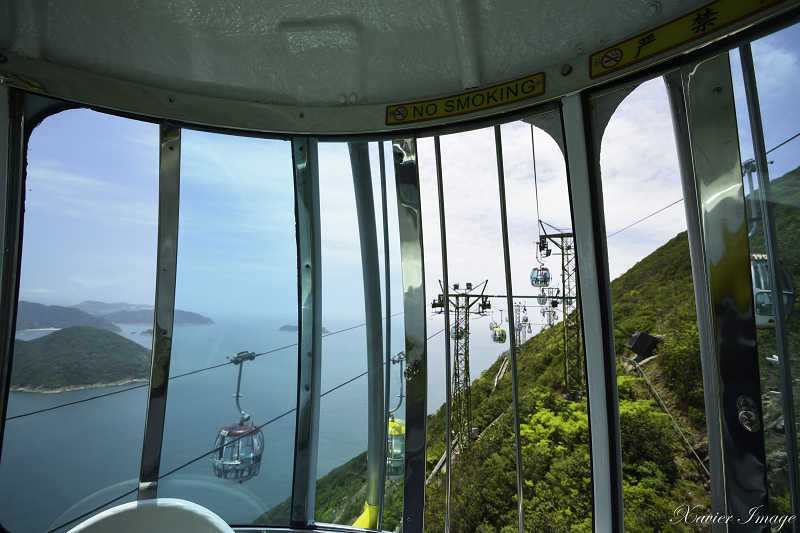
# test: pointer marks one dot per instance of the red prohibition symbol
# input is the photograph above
(612, 57)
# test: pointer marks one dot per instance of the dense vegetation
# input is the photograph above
(80, 356)
(340, 498)
(37, 316)
(658, 473)
(660, 470)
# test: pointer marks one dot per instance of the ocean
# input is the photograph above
(60, 463)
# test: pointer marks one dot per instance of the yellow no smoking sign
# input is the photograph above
(506, 93)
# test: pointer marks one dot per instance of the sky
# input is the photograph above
(92, 204)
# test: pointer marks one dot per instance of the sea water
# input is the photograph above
(60, 463)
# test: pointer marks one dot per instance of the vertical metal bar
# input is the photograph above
(731, 356)
(368, 236)
(12, 198)
(711, 385)
(771, 241)
(446, 290)
(409, 214)
(309, 354)
(387, 285)
(501, 181)
(594, 288)
(166, 261)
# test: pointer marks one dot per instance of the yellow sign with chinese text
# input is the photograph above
(708, 19)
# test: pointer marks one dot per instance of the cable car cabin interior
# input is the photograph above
(192, 187)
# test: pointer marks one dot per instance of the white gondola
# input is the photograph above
(762, 290)
(540, 277)
(457, 332)
(239, 446)
(499, 335)
(396, 450)
(542, 298)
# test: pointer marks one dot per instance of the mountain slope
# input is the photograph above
(37, 316)
(77, 357)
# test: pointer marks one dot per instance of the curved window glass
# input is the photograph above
(236, 290)
(84, 319)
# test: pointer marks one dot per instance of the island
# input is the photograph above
(99, 315)
(31, 315)
(289, 327)
(77, 357)
(125, 313)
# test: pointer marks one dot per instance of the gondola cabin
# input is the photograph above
(499, 335)
(540, 277)
(396, 450)
(237, 452)
(456, 332)
(762, 290)
(542, 298)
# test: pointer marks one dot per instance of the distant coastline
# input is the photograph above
(39, 390)
(289, 327)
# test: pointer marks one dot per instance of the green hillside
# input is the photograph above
(660, 470)
(76, 357)
(37, 316)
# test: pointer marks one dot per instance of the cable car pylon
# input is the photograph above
(462, 302)
(574, 372)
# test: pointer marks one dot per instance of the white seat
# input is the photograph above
(154, 516)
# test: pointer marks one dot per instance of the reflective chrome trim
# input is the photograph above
(730, 356)
(448, 370)
(586, 201)
(12, 198)
(501, 182)
(711, 385)
(166, 261)
(409, 214)
(309, 354)
(368, 237)
(771, 241)
(387, 313)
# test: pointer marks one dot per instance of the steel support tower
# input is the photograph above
(462, 302)
(574, 371)
(519, 331)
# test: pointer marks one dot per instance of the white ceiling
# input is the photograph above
(320, 53)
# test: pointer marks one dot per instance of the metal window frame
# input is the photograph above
(309, 375)
(702, 99)
(501, 183)
(771, 241)
(406, 171)
(166, 263)
(368, 237)
(594, 289)
(12, 194)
